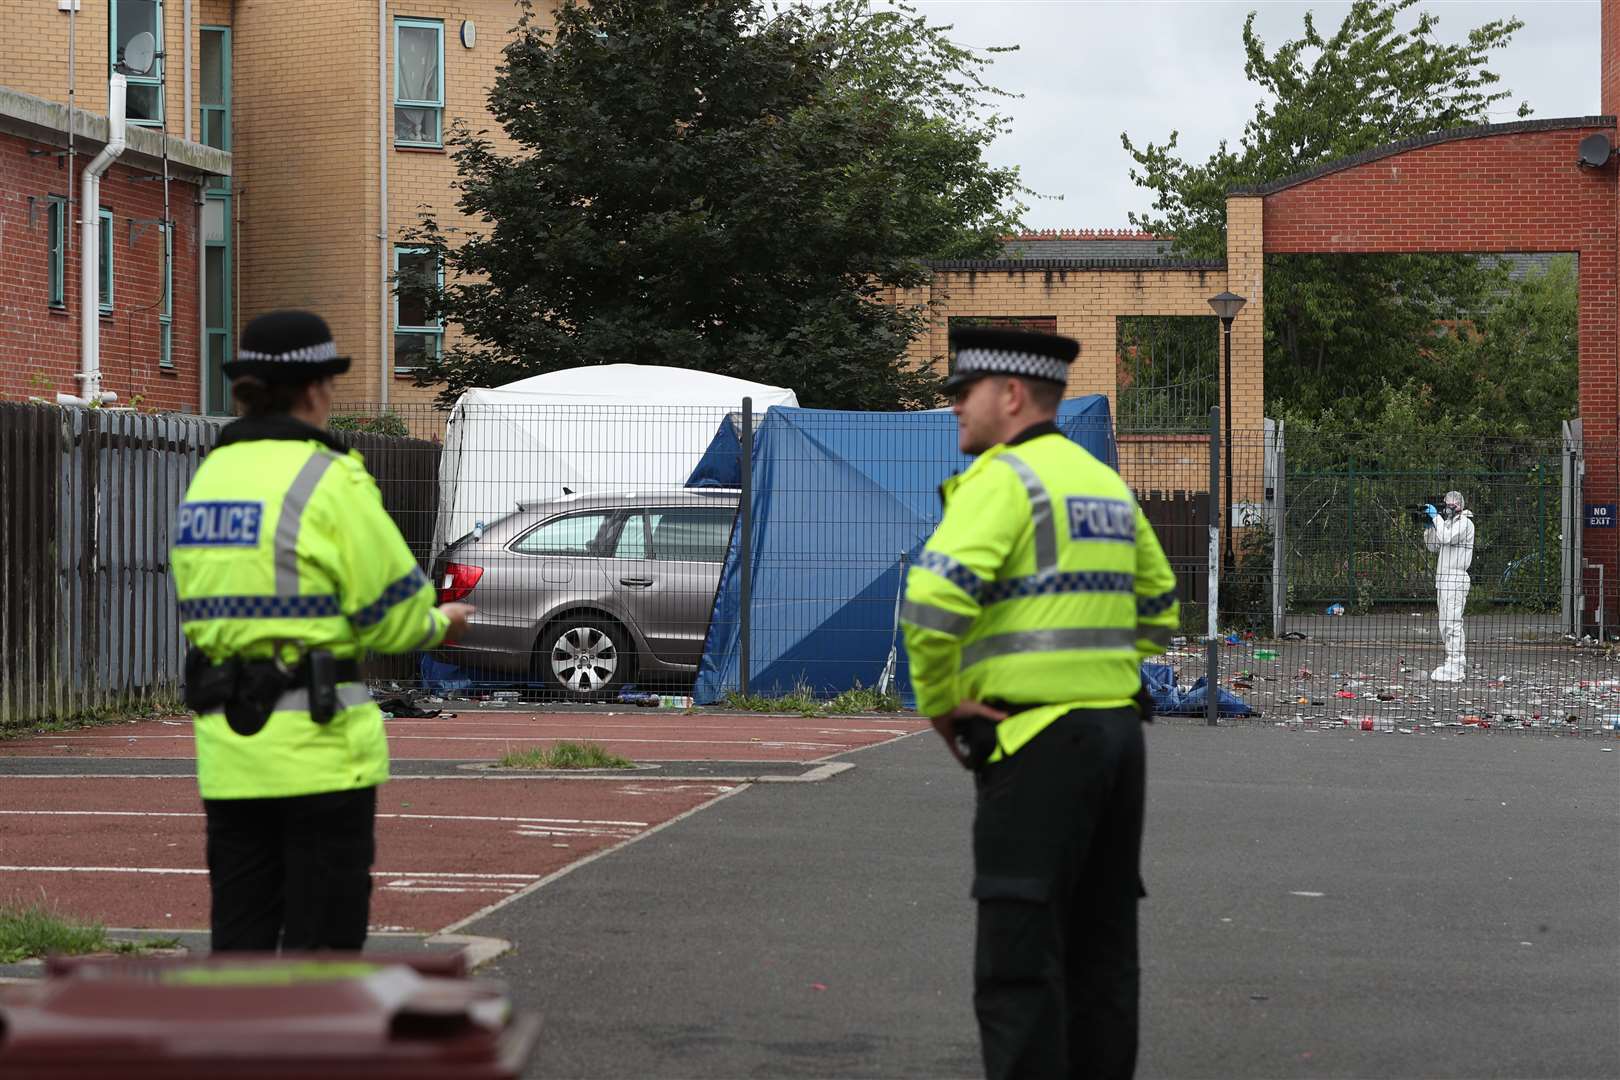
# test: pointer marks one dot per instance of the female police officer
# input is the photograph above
(287, 568)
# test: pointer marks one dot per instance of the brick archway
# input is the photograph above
(1496, 188)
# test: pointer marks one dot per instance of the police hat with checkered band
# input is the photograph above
(983, 350)
(287, 347)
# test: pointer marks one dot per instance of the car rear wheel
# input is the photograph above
(584, 658)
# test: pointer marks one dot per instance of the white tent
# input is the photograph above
(611, 427)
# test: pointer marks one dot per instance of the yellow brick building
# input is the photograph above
(1083, 285)
(335, 113)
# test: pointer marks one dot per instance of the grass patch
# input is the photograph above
(799, 700)
(859, 699)
(32, 929)
(802, 700)
(564, 755)
(107, 716)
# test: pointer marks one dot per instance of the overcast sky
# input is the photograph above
(1090, 69)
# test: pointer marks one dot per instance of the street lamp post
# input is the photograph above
(1227, 305)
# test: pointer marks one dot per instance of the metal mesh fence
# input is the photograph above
(594, 567)
(1341, 603)
(618, 551)
(600, 570)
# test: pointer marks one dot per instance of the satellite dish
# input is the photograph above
(141, 50)
(1595, 151)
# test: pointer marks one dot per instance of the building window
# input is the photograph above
(1168, 373)
(214, 93)
(166, 310)
(106, 261)
(143, 102)
(417, 336)
(56, 244)
(418, 82)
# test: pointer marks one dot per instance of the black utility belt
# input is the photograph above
(248, 690)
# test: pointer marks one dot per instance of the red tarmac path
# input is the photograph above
(484, 735)
(128, 850)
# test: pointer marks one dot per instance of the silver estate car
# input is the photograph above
(584, 593)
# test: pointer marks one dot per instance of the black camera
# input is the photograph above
(1421, 516)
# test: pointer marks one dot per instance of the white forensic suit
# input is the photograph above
(1453, 540)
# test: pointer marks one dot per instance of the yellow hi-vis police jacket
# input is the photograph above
(281, 546)
(1044, 585)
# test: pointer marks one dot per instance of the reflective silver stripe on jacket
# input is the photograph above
(349, 695)
(933, 618)
(292, 518)
(1159, 635)
(1040, 512)
(1105, 638)
(427, 635)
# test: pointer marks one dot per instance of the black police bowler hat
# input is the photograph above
(985, 350)
(287, 347)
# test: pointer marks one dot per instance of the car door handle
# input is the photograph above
(638, 582)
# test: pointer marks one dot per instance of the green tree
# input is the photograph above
(1517, 365)
(1339, 328)
(704, 184)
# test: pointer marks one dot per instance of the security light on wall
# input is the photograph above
(1595, 152)
(139, 55)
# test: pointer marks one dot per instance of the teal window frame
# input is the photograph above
(433, 331)
(437, 104)
(56, 251)
(106, 245)
(218, 344)
(215, 117)
(155, 78)
(166, 312)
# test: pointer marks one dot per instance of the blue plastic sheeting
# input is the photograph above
(441, 676)
(721, 464)
(838, 499)
(1171, 700)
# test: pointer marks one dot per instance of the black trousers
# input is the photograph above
(1057, 842)
(293, 873)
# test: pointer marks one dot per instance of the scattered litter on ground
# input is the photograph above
(1517, 681)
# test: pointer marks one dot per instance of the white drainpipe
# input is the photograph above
(186, 31)
(90, 247)
(385, 322)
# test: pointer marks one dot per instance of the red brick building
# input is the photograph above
(149, 318)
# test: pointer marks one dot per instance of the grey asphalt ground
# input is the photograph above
(1468, 922)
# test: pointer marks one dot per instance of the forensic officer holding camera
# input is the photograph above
(287, 568)
(1026, 618)
(1451, 536)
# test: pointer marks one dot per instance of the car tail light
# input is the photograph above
(458, 581)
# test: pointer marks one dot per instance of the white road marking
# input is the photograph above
(586, 861)
(529, 738)
(869, 746)
(99, 870)
(401, 817)
(409, 874)
(1297, 892)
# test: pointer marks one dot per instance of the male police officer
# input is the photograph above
(287, 567)
(1026, 618)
